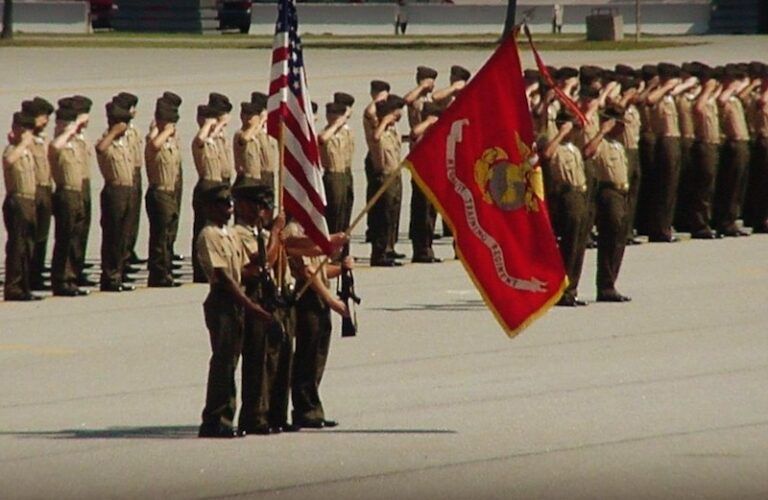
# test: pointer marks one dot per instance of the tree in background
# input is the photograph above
(7, 20)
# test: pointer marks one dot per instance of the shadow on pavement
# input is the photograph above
(460, 306)
(162, 432)
(386, 431)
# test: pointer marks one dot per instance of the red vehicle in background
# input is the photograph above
(101, 13)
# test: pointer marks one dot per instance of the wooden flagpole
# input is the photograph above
(281, 253)
(387, 183)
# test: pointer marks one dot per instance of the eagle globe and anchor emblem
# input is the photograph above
(507, 184)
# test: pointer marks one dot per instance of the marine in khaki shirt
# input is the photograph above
(247, 147)
(207, 159)
(567, 199)
(116, 164)
(222, 258)
(734, 161)
(612, 195)
(19, 208)
(69, 208)
(19, 170)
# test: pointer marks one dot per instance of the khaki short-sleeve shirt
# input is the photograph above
(248, 156)
(685, 103)
(39, 151)
(666, 122)
(221, 248)
(207, 160)
(117, 163)
(164, 164)
(270, 152)
(85, 154)
(66, 168)
(133, 140)
(19, 176)
(226, 159)
(385, 153)
(567, 167)
(611, 164)
(733, 120)
(333, 153)
(631, 136)
(707, 125)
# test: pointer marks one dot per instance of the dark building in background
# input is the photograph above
(739, 16)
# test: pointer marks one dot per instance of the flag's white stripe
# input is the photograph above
(297, 192)
(298, 114)
(311, 172)
(280, 40)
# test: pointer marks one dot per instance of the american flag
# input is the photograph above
(290, 113)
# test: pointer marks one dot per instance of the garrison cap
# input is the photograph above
(531, 75)
(459, 73)
(423, 72)
(205, 111)
(431, 109)
(34, 108)
(41, 106)
(172, 98)
(379, 86)
(609, 75)
(250, 108)
(756, 69)
(668, 71)
(66, 114)
(565, 73)
(118, 114)
(391, 104)
(167, 114)
(623, 69)
(256, 193)
(66, 102)
(628, 82)
(705, 73)
(335, 108)
(82, 104)
(126, 100)
(734, 72)
(589, 72)
(395, 101)
(648, 72)
(259, 99)
(344, 98)
(24, 120)
(219, 102)
(216, 193)
(161, 103)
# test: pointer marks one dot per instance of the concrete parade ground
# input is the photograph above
(663, 397)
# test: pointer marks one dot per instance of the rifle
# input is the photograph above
(345, 289)
(272, 298)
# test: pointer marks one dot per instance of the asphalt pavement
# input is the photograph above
(663, 397)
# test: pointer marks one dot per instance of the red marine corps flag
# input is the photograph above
(477, 164)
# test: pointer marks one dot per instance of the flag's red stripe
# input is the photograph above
(303, 218)
(308, 144)
(297, 171)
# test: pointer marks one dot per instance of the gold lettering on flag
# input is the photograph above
(470, 210)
